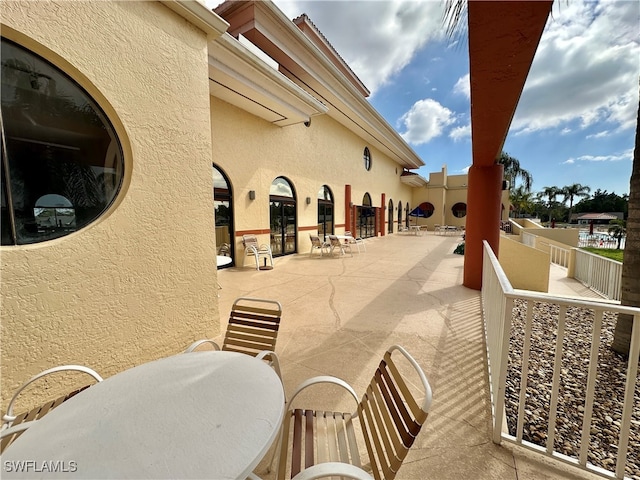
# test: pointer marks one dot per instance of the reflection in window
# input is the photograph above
(54, 211)
(366, 218)
(62, 164)
(459, 210)
(325, 212)
(223, 216)
(282, 208)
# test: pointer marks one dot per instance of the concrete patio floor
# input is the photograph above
(339, 316)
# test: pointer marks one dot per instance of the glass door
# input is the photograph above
(283, 227)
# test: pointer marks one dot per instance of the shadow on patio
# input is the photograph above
(340, 314)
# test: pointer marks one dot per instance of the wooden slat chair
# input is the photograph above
(257, 250)
(14, 425)
(314, 444)
(252, 330)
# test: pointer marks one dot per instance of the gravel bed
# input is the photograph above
(609, 392)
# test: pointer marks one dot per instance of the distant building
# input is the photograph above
(595, 218)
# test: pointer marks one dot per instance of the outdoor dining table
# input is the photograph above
(415, 229)
(194, 415)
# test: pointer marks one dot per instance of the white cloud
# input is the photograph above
(627, 155)
(585, 70)
(377, 39)
(569, 162)
(599, 134)
(460, 133)
(425, 120)
(463, 86)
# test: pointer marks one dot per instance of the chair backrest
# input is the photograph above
(253, 326)
(250, 241)
(335, 241)
(13, 422)
(315, 241)
(390, 415)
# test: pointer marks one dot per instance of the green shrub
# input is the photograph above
(459, 249)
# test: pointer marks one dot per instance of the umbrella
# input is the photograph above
(420, 211)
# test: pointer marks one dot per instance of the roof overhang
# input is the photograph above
(413, 179)
(199, 15)
(242, 78)
(304, 63)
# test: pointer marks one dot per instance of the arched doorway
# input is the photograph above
(282, 207)
(366, 218)
(223, 213)
(325, 212)
(390, 217)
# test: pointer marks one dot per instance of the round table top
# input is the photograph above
(222, 260)
(194, 415)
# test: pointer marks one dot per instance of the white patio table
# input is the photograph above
(193, 415)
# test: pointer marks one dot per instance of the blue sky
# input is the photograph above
(576, 119)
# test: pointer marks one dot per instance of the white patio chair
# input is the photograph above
(315, 443)
(253, 248)
(252, 329)
(317, 244)
(337, 244)
(357, 241)
(13, 425)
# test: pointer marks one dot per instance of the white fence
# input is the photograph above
(529, 239)
(572, 403)
(559, 255)
(600, 274)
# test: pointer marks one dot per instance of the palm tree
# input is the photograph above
(550, 193)
(617, 229)
(631, 264)
(520, 198)
(513, 171)
(572, 191)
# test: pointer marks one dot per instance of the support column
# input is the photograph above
(383, 212)
(483, 219)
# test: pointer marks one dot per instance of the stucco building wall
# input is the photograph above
(525, 267)
(138, 283)
(253, 153)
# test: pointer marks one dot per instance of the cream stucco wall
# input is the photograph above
(140, 282)
(563, 236)
(253, 152)
(525, 267)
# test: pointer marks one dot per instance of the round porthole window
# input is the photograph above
(367, 159)
(62, 157)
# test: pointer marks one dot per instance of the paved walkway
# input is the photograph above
(340, 315)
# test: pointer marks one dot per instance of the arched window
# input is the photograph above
(223, 213)
(325, 212)
(390, 217)
(62, 163)
(282, 207)
(366, 218)
(459, 210)
(367, 158)
(399, 214)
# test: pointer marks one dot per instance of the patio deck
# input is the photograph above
(340, 314)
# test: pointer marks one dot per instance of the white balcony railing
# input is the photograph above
(559, 256)
(529, 239)
(600, 274)
(544, 377)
